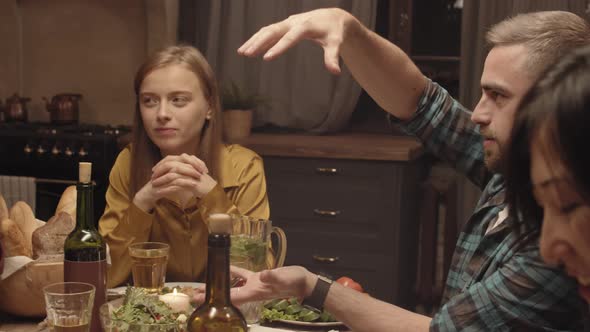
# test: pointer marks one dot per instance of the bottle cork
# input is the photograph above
(220, 223)
(84, 172)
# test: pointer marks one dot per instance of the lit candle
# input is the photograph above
(179, 302)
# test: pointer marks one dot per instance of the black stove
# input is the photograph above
(51, 153)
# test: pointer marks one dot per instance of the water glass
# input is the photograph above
(148, 265)
(69, 306)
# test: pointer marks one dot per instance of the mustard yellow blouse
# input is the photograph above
(241, 188)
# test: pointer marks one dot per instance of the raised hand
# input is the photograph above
(326, 27)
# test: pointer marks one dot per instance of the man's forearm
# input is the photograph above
(361, 312)
(387, 74)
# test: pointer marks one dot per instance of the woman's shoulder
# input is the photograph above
(124, 156)
(122, 163)
(238, 163)
(239, 154)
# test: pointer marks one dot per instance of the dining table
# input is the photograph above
(19, 324)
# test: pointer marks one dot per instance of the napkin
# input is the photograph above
(13, 264)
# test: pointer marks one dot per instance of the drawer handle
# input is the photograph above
(330, 213)
(326, 260)
(327, 170)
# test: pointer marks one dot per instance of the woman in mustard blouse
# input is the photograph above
(177, 170)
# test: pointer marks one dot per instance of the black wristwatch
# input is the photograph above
(319, 293)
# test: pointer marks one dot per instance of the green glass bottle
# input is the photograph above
(84, 249)
(217, 313)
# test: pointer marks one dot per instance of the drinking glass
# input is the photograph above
(251, 249)
(148, 265)
(69, 306)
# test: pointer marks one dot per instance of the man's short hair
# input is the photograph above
(547, 35)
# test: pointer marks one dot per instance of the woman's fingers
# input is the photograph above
(177, 185)
(165, 164)
(178, 168)
(197, 163)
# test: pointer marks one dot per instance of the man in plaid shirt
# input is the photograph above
(497, 281)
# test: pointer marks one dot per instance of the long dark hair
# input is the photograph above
(555, 116)
(144, 153)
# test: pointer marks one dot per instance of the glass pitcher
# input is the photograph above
(251, 246)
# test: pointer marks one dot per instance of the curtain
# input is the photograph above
(301, 94)
(478, 17)
(161, 24)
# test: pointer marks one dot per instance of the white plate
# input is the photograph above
(121, 290)
(310, 324)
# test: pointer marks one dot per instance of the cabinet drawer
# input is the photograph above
(339, 239)
(355, 193)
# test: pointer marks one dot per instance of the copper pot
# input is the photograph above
(63, 108)
(16, 109)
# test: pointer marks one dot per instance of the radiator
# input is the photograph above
(18, 188)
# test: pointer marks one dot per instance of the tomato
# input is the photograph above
(348, 282)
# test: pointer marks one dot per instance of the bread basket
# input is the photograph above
(21, 294)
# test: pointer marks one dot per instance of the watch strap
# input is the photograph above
(319, 293)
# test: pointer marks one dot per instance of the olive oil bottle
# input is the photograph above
(85, 254)
(217, 312)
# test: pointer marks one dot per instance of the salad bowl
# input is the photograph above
(118, 316)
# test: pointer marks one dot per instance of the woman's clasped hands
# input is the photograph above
(178, 178)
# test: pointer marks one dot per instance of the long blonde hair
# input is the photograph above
(144, 153)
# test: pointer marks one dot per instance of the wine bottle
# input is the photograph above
(217, 313)
(84, 249)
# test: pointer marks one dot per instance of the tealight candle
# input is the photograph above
(179, 302)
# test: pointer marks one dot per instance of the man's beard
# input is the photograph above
(493, 159)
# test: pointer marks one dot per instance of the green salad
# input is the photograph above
(291, 309)
(142, 308)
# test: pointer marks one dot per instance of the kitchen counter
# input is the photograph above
(355, 146)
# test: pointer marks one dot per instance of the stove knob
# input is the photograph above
(82, 152)
(68, 152)
(55, 151)
(28, 149)
(40, 150)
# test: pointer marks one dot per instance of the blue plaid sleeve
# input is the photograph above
(523, 295)
(445, 128)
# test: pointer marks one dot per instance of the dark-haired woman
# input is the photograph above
(548, 175)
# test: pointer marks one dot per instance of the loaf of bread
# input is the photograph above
(12, 239)
(3, 208)
(67, 202)
(49, 239)
(24, 218)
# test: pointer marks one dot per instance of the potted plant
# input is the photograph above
(238, 109)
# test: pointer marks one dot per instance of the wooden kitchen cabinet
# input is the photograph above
(429, 31)
(348, 205)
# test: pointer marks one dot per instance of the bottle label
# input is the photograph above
(93, 273)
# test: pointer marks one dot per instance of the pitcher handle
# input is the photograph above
(281, 250)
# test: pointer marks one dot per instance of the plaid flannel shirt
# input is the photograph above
(497, 281)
